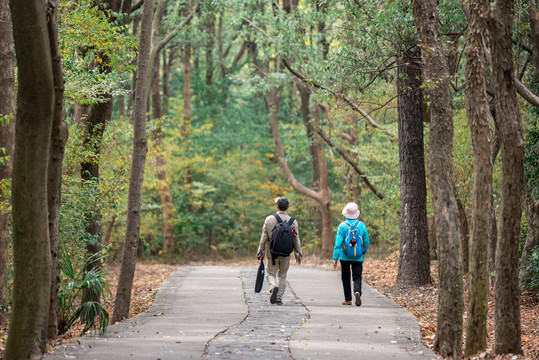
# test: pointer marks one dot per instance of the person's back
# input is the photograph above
(278, 265)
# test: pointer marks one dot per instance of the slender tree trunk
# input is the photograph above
(532, 236)
(210, 29)
(324, 192)
(59, 136)
(185, 128)
(95, 125)
(448, 339)
(315, 145)
(414, 259)
(322, 196)
(496, 145)
(7, 141)
(507, 329)
(162, 172)
(35, 103)
(482, 130)
(140, 146)
(96, 122)
(534, 27)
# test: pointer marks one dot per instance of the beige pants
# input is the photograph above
(276, 274)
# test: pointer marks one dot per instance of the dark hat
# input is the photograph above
(282, 203)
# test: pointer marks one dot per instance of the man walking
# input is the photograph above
(278, 265)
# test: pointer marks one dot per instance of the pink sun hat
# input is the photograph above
(350, 211)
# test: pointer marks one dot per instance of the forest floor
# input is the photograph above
(381, 274)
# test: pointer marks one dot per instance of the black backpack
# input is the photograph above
(282, 238)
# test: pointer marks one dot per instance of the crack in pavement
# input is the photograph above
(265, 331)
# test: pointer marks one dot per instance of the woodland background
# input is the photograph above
(238, 102)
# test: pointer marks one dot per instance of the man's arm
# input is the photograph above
(263, 240)
(297, 243)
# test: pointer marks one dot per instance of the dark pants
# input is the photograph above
(357, 270)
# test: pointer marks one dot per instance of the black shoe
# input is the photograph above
(278, 302)
(273, 296)
(358, 298)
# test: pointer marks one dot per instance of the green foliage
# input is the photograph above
(96, 52)
(530, 277)
(74, 281)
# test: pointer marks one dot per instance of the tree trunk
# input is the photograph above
(7, 141)
(324, 192)
(482, 129)
(59, 136)
(95, 125)
(162, 172)
(493, 225)
(464, 235)
(532, 237)
(322, 196)
(507, 294)
(35, 103)
(432, 239)
(315, 145)
(448, 339)
(81, 112)
(414, 258)
(140, 146)
(185, 128)
(534, 27)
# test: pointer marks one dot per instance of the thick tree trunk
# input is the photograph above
(35, 103)
(59, 136)
(507, 294)
(140, 146)
(414, 259)
(7, 141)
(448, 339)
(482, 130)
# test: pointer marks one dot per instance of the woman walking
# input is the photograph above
(351, 243)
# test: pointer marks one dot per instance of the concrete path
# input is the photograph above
(213, 313)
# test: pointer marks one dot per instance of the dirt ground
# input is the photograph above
(381, 274)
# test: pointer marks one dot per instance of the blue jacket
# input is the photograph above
(338, 252)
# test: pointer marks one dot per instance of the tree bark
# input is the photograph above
(482, 130)
(185, 127)
(7, 141)
(414, 258)
(464, 235)
(315, 145)
(140, 147)
(448, 339)
(35, 103)
(534, 27)
(59, 136)
(162, 172)
(95, 125)
(322, 196)
(532, 236)
(507, 329)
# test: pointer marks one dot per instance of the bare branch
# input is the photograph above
(341, 96)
